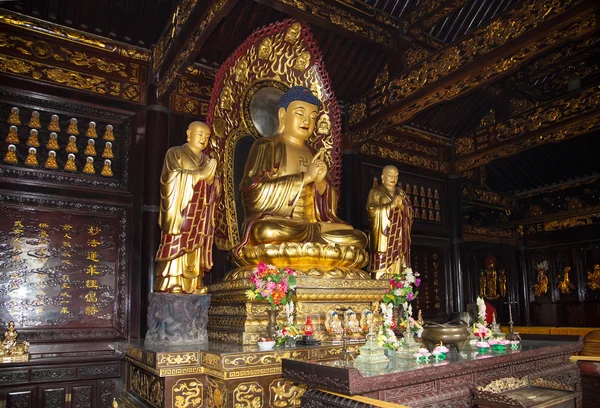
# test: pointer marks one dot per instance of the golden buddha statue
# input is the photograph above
(34, 122)
(565, 286)
(33, 140)
(53, 142)
(108, 153)
(390, 215)
(188, 197)
(14, 119)
(13, 136)
(89, 166)
(289, 199)
(54, 126)
(109, 134)
(72, 129)
(90, 149)
(11, 155)
(51, 161)
(72, 145)
(106, 170)
(502, 283)
(491, 277)
(91, 132)
(594, 278)
(541, 287)
(70, 165)
(31, 159)
(11, 350)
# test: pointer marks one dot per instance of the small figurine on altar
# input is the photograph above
(70, 164)
(89, 166)
(33, 140)
(90, 149)
(390, 215)
(594, 278)
(106, 170)
(13, 136)
(366, 320)
(108, 134)
(73, 130)
(108, 153)
(51, 161)
(54, 126)
(53, 142)
(34, 122)
(12, 350)
(14, 119)
(91, 132)
(353, 325)
(31, 159)
(11, 155)
(502, 283)
(72, 145)
(333, 324)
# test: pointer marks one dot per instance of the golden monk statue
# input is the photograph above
(390, 215)
(188, 197)
(287, 194)
(491, 277)
(594, 278)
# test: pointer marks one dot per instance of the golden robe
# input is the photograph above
(280, 208)
(390, 228)
(187, 212)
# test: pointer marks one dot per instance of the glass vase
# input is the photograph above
(290, 342)
(272, 325)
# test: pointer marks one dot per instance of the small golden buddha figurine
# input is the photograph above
(89, 166)
(541, 287)
(90, 149)
(437, 216)
(188, 197)
(108, 134)
(502, 283)
(324, 125)
(73, 130)
(54, 126)
(303, 61)
(287, 194)
(14, 119)
(353, 326)
(12, 350)
(33, 140)
(390, 216)
(366, 320)
(72, 145)
(91, 132)
(13, 136)
(53, 142)
(108, 153)
(293, 33)
(31, 159)
(11, 155)
(226, 99)
(265, 47)
(34, 122)
(565, 286)
(106, 170)
(51, 161)
(594, 278)
(70, 165)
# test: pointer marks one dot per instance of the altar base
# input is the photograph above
(175, 319)
(233, 318)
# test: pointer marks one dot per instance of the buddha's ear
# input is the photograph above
(187, 132)
(281, 115)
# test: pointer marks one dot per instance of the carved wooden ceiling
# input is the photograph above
(442, 72)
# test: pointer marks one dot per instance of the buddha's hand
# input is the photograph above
(397, 202)
(209, 170)
(314, 171)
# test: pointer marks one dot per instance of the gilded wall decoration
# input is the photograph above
(188, 105)
(285, 394)
(402, 156)
(216, 393)
(540, 288)
(472, 233)
(248, 395)
(268, 58)
(187, 392)
(146, 386)
(172, 359)
(510, 25)
(487, 198)
(422, 134)
(593, 278)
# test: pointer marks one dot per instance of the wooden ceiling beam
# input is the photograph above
(364, 24)
(427, 15)
(552, 122)
(182, 39)
(477, 59)
(479, 196)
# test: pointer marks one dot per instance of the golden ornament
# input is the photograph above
(51, 161)
(72, 145)
(53, 142)
(106, 170)
(73, 130)
(91, 132)
(54, 126)
(70, 164)
(34, 122)
(108, 133)
(108, 153)
(11, 155)
(33, 140)
(13, 136)
(31, 159)
(90, 149)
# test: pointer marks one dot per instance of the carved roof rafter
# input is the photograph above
(484, 197)
(552, 122)
(355, 20)
(478, 59)
(183, 38)
(429, 12)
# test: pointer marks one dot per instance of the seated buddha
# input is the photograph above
(287, 193)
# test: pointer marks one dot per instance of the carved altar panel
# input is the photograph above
(63, 268)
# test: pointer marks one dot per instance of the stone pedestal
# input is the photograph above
(177, 319)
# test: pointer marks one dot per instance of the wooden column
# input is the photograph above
(155, 147)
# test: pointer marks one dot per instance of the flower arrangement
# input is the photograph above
(481, 310)
(272, 284)
(287, 330)
(386, 337)
(481, 331)
(411, 325)
(403, 284)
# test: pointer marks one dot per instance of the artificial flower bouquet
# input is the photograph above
(403, 286)
(386, 337)
(411, 325)
(288, 330)
(273, 284)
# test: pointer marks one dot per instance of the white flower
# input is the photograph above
(397, 292)
(480, 309)
(289, 311)
(410, 278)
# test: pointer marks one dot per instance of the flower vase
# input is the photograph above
(389, 353)
(290, 342)
(272, 325)
(398, 311)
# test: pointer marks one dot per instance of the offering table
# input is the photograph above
(447, 383)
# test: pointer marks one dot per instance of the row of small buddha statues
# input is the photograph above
(52, 164)
(52, 144)
(289, 202)
(54, 125)
(426, 205)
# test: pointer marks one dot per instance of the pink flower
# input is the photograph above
(271, 285)
(410, 297)
(417, 282)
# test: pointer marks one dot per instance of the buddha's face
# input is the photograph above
(198, 135)
(299, 119)
(389, 178)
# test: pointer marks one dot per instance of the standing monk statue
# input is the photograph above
(287, 194)
(390, 215)
(188, 197)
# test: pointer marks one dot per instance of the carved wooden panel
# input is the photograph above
(95, 137)
(53, 397)
(23, 398)
(83, 396)
(431, 261)
(63, 268)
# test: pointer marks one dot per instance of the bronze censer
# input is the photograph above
(454, 333)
